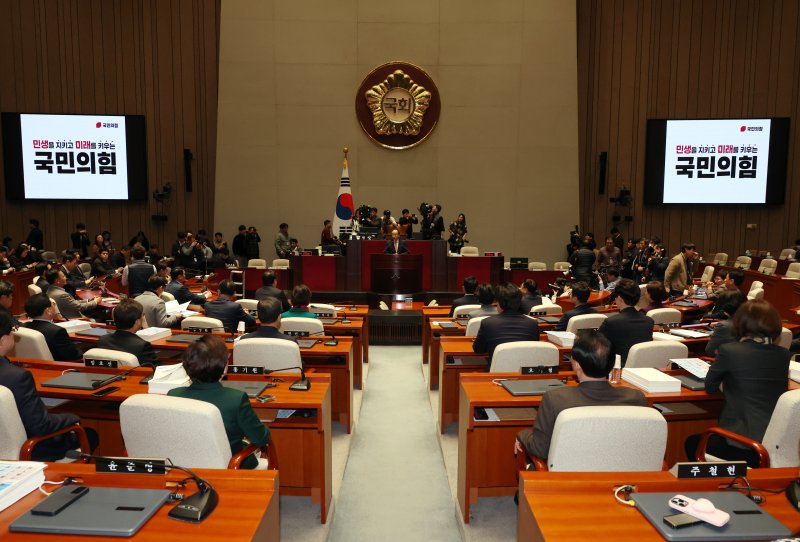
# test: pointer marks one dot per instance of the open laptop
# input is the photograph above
(252, 389)
(748, 520)
(530, 387)
(81, 381)
(519, 263)
(103, 511)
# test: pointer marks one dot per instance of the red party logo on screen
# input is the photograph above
(100, 124)
(743, 128)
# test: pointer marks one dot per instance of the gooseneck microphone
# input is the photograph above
(304, 384)
(192, 509)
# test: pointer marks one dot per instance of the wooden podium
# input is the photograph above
(396, 273)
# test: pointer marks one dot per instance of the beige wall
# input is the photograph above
(505, 152)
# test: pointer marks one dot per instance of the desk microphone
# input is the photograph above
(193, 509)
(304, 384)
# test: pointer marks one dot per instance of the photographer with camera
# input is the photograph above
(388, 224)
(432, 223)
(406, 224)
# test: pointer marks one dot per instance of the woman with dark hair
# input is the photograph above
(205, 362)
(107, 243)
(458, 234)
(22, 258)
(654, 295)
(752, 373)
(140, 238)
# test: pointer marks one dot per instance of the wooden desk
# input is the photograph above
(20, 280)
(427, 314)
(549, 501)
(486, 463)
(355, 330)
(486, 269)
(359, 311)
(595, 300)
(303, 444)
(248, 505)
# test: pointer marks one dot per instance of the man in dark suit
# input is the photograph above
(591, 361)
(469, 298)
(80, 240)
(136, 274)
(269, 290)
(180, 291)
(629, 326)
(269, 314)
(35, 237)
(128, 319)
(227, 310)
(40, 309)
(36, 419)
(579, 297)
(395, 245)
(7, 299)
(531, 296)
(75, 277)
(508, 326)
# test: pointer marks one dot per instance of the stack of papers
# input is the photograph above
(651, 380)
(658, 336)
(151, 334)
(561, 338)
(689, 333)
(74, 325)
(694, 366)
(167, 377)
(794, 371)
(173, 308)
(17, 479)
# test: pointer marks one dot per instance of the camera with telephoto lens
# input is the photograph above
(425, 209)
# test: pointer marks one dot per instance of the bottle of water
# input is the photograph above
(616, 373)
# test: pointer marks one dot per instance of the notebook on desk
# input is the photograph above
(184, 338)
(93, 332)
(748, 520)
(530, 387)
(103, 511)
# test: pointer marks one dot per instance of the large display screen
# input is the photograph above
(716, 161)
(74, 157)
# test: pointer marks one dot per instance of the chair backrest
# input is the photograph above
(721, 258)
(123, 359)
(561, 266)
(29, 343)
(86, 269)
(665, 316)
(433, 303)
(48, 256)
(547, 308)
(188, 431)
(585, 321)
(793, 271)
(785, 340)
(787, 253)
(474, 325)
(322, 308)
(768, 266)
(708, 274)
(12, 432)
(248, 304)
(166, 296)
(202, 322)
(312, 325)
(537, 266)
(509, 357)
(464, 310)
(280, 263)
(470, 251)
(608, 439)
(782, 437)
(258, 263)
(33, 290)
(655, 354)
(507, 265)
(755, 284)
(756, 293)
(268, 353)
(743, 262)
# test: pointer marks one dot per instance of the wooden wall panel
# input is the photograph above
(684, 59)
(156, 58)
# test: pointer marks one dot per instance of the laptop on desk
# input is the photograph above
(519, 388)
(80, 381)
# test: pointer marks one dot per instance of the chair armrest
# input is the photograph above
(525, 458)
(763, 455)
(26, 451)
(267, 451)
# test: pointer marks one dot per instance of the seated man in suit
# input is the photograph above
(128, 319)
(7, 299)
(36, 418)
(531, 296)
(102, 264)
(628, 326)
(155, 310)
(728, 302)
(591, 360)
(508, 326)
(180, 291)
(227, 310)
(269, 290)
(40, 309)
(468, 286)
(205, 362)
(578, 297)
(395, 245)
(135, 274)
(485, 295)
(301, 297)
(269, 315)
(74, 275)
(68, 306)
